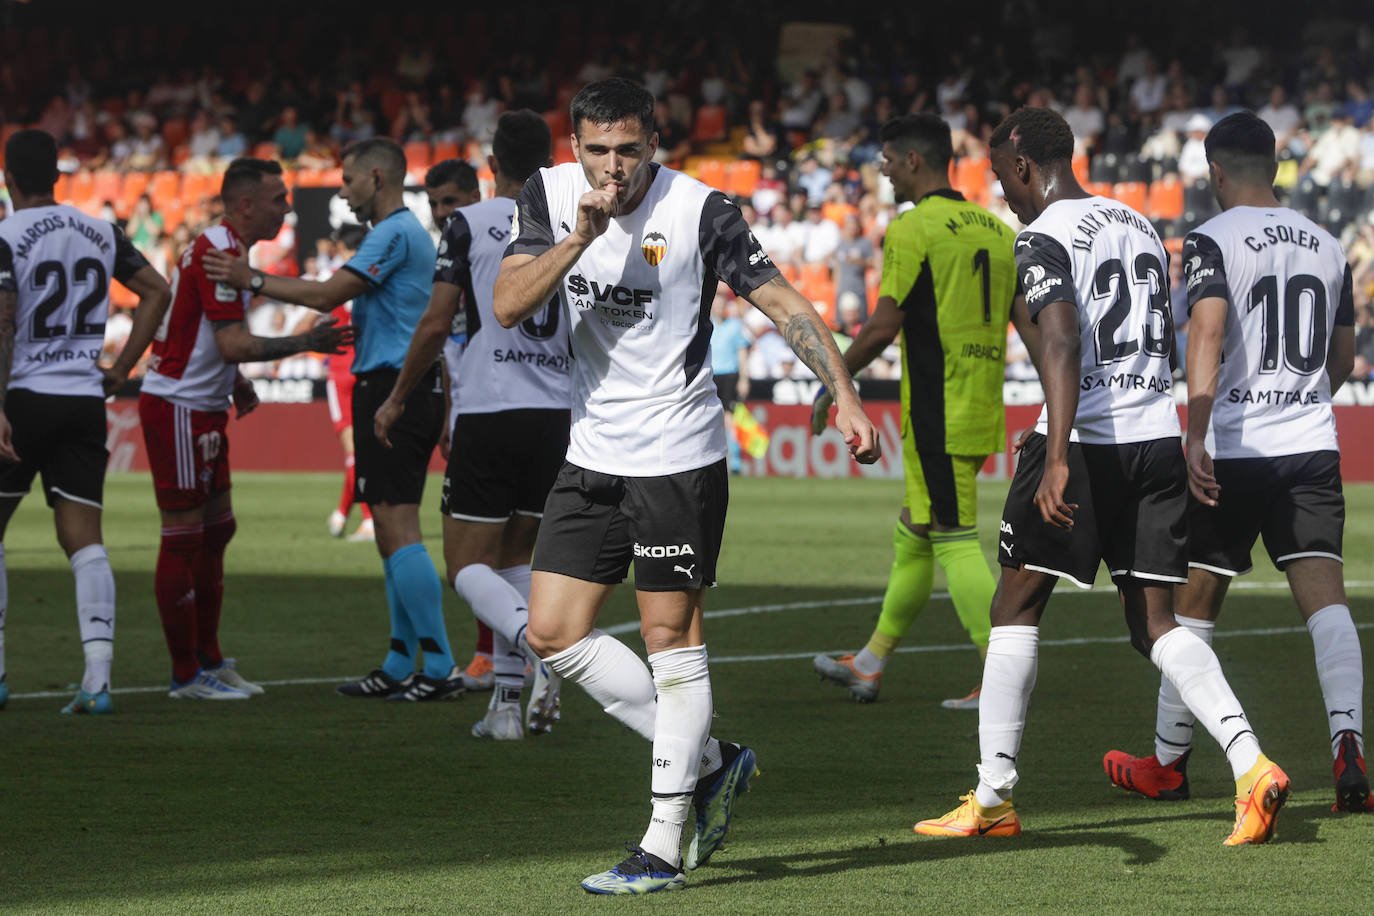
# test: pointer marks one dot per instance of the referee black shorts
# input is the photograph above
(595, 525)
(1132, 502)
(1295, 501)
(63, 438)
(396, 475)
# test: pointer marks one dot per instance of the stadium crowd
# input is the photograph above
(146, 124)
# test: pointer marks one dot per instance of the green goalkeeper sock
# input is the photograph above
(971, 585)
(908, 589)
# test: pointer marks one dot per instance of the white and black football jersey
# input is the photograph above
(1287, 285)
(1106, 259)
(638, 307)
(59, 262)
(524, 367)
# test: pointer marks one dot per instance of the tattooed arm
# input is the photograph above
(814, 345)
(9, 304)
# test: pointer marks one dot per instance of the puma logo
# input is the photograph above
(1005, 546)
(1006, 756)
(1342, 712)
(108, 621)
(685, 571)
(1239, 715)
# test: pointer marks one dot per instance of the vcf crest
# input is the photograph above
(654, 246)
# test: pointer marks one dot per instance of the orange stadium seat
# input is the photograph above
(791, 273)
(558, 121)
(1132, 194)
(418, 155)
(972, 177)
(195, 186)
(562, 150)
(1100, 188)
(818, 286)
(445, 149)
(1080, 168)
(164, 187)
(81, 187)
(1166, 199)
(61, 191)
(135, 186)
(107, 185)
(173, 213)
(266, 150)
(710, 124)
(742, 177)
(712, 172)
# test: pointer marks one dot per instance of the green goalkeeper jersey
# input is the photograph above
(948, 264)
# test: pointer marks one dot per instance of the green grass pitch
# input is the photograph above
(303, 802)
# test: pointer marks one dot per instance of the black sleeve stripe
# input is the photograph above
(1044, 272)
(453, 263)
(1345, 309)
(7, 281)
(128, 259)
(1204, 270)
(729, 249)
(535, 233)
(370, 281)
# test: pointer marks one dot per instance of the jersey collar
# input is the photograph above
(948, 193)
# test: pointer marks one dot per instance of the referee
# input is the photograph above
(389, 281)
(949, 280)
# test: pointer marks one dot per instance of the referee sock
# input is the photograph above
(208, 575)
(95, 614)
(613, 676)
(1193, 667)
(971, 585)
(1340, 670)
(908, 590)
(1008, 679)
(400, 657)
(417, 585)
(493, 599)
(176, 596)
(1173, 720)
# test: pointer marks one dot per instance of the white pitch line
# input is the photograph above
(633, 626)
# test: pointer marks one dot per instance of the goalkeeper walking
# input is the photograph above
(948, 285)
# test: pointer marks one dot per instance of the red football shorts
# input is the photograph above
(188, 452)
(339, 391)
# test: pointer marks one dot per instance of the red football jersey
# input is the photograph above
(341, 364)
(186, 367)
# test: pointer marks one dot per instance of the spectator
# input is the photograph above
(1335, 150)
(147, 152)
(1085, 119)
(1147, 92)
(763, 139)
(813, 180)
(232, 142)
(803, 103)
(822, 236)
(674, 140)
(290, 133)
(1192, 159)
(481, 114)
(852, 259)
(1358, 104)
(852, 316)
(145, 226)
(1281, 115)
(769, 356)
(412, 121)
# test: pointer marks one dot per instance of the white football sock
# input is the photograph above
(1193, 667)
(4, 605)
(1173, 720)
(519, 578)
(866, 663)
(613, 676)
(682, 725)
(494, 600)
(95, 611)
(1008, 679)
(710, 759)
(507, 663)
(1340, 670)
(664, 836)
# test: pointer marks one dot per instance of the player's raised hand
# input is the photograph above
(859, 434)
(594, 212)
(7, 452)
(820, 410)
(224, 267)
(324, 337)
(385, 418)
(1202, 478)
(1049, 498)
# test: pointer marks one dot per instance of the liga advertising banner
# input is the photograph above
(291, 431)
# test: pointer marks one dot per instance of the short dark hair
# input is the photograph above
(1243, 145)
(31, 161)
(455, 171)
(350, 236)
(1040, 134)
(611, 101)
(522, 143)
(926, 133)
(382, 152)
(244, 173)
